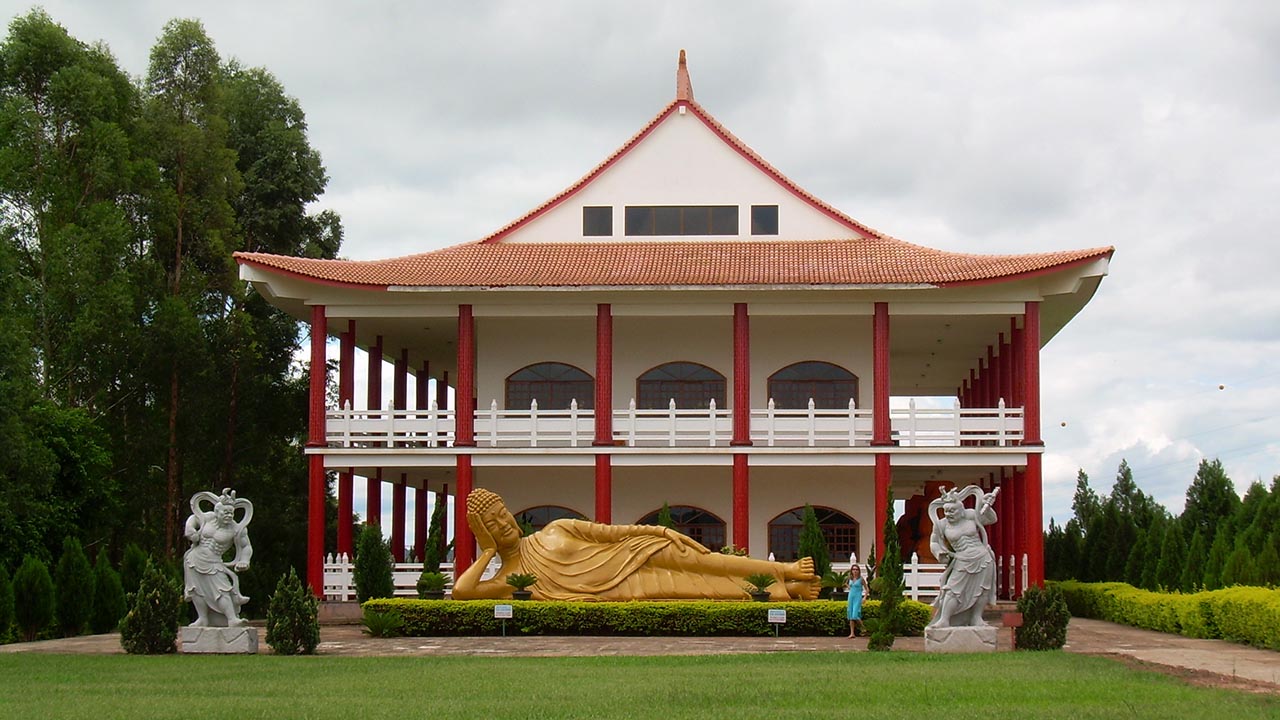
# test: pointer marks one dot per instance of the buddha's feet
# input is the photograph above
(804, 589)
(801, 569)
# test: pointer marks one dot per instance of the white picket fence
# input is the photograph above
(672, 427)
(921, 579)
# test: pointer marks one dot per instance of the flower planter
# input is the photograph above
(522, 595)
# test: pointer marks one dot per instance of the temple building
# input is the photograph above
(687, 326)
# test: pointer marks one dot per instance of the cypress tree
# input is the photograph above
(1137, 560)
(664, 517)
(1193, 571)
(6, 604)
(1217, 559)
(151, 626)
(891, 585)
(434, 553)
(1173, 556)
(292, 628)
(73, 580)
(1239, 568)
(812, 542)
(132, 566)
(108, 597)
(1151, 557)
(32, 598)
(373, 563)
(1267, 565)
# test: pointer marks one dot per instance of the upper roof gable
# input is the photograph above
(670, 162)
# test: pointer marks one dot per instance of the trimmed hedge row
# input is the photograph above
(426, 618)
(1248, 615)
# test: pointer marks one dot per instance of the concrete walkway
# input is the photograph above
(1233, 664)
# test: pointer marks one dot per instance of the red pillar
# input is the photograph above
(346, 396)
(881, 431)
(1031, 374)
(1035, 520)
(463, 539)
(741, 501)
(604, 412)
(398, 518)
(421, 383)
(315, 462)
(1018, 545)
(373, 488)
(884, 474)
(741, 376)
(464, 542)
(420, 522)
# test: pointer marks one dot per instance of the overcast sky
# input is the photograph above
(972, 127)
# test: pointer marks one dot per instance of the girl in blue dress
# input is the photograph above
(857, 591)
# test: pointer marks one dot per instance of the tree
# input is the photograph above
(1085, 503)
(108, 597)
(132, 566)
(435, 548)
(292, 627)
(664, 517)
(1137, 561)
(1217, 560)
(1193, 571)
(151, 625)
(1211, 499)
(32, 598)
(373, 566)
(73, 579)
(812, 543)
(191, 215)
(6, 604)
(891, 587)
(1173, 556)
(1239, 568)
(1267, 564)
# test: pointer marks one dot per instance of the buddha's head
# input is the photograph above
(493, 514)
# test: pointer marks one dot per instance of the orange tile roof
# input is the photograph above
(860, 261)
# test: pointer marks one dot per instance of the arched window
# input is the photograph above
(830, 386)
(697, 523)
(690, 384)
(840, 531)
(553, 384)
(543, 515)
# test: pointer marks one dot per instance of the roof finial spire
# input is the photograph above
(684, 87)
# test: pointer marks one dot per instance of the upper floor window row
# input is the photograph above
(673, 220)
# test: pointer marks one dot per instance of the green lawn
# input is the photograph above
(840, 686)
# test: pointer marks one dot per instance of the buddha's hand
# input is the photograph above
(484, 538)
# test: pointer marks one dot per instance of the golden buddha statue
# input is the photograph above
(581, 560)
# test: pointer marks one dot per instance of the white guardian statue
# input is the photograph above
(210, 582)
(959, 539)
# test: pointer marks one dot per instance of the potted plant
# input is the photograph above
(521, 582)
(837, 581)
(431, 585)
(758, 585)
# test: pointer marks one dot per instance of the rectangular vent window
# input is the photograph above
(597, 221)
(764, 219)
(682, 220)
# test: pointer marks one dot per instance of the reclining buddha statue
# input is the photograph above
(581, 560)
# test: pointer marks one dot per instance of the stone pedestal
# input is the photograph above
(977, 639)
(221, 640)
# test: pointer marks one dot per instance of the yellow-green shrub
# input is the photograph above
(1249, 615)
(691, 619)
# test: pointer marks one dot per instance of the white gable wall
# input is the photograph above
(682, 162)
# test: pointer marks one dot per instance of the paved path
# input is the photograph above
(1229, 661)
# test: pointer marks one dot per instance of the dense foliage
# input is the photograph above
(32, 598)
(373, 566)
(475, 617)
(1044, 619)
(73, 583)
(1249, 615)
(6, 604)
(151, 626)
(1219, 540)
(293, 627)
(135, 368)
(888, 586)
(813, 544)
(108, 597)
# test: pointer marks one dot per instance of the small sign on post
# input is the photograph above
(777, 616)
(502, 612)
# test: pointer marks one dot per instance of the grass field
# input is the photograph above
(841, 686)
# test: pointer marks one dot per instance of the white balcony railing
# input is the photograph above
(671, 427)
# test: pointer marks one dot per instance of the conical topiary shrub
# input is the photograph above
(32, 598)
(372, 572)
(73, 585)
(151, 627)
(292, 625)
(108, 597)
(6, 605)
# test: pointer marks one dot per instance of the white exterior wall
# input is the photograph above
(526, 487)
(682, 162)
(504, 345)
(642, 343)
(779, 341)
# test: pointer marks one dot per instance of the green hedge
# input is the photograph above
(1249, 615)
(425, 618)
